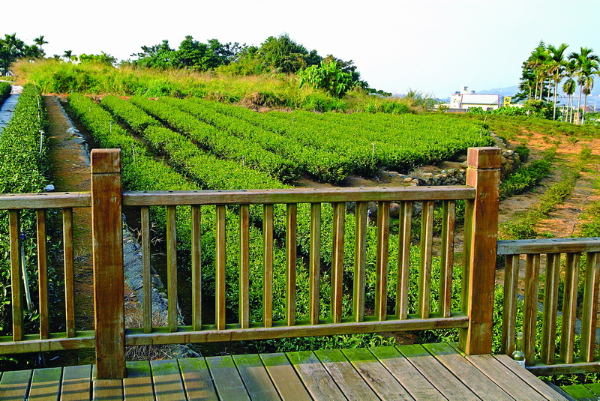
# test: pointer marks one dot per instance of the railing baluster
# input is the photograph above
(196, 268)
(15, 274)
(146, 272)
(567, 341)
(403, 259)
(290, 246)
(360, 261)
(268, 266)
(337, 268)
(532, 273)
(244, 267)
(315, 261)
(447, 259)
(42, 273)
(383, 234)
(509, 319)
(172, 267)
(550, 308)
(67, 214)
(590, 307)
(423, 306)
(220, 269)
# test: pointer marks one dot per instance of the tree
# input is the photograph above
(103, 58)
(328, 76)
(556, 68)
(586, 64)
(569, 86)
(283, 54)
(40, 42)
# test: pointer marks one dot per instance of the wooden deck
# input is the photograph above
(428, 372)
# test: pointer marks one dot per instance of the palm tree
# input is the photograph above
(68, 54)
(591, 68)
(39, 41)
(584, 60)
(536, 62)
(569, 86)
(556, 68)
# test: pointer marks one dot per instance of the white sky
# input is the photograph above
(433, 46)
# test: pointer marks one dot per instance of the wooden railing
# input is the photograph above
(474, 317)
(547, 253)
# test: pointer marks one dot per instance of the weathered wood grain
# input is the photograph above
(42, 259)
(284, 377)
(381, 263)
(255, 377)
(196, 379)
(567, 341)
(548, 245)
(166, 380)
(107, 256)
(403, 259)
(76, 383)
(294, 195)
(14, 385)
(226, 378)
(45, 384)
(360, 262)
(314, 376)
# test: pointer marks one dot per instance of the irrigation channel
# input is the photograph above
(69, 153)
(8, 107)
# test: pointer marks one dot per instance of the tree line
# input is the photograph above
(549, 66)
(279, 54)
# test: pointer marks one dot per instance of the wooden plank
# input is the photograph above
(590, 307)
(529, 378)
(447, 258)
(69, 276)
(137, 385)
(294, 195)
(381, 381)
(166, 379)
(45, 384)
(290, 249)
(284, 377)
(107, 389)
(45, 200)
(345, 376)
(484, 175)
(360, 262)
(16, 286)
(234, 333)
(381, 267)
(196, 268)
(403, 259)
(107, 256)
(314, 262)
(314, 376)
(549, 245)
(226, 378)
(337, 262)
(173, 315)
(550, 308)
(220, 269)
(509, 320)
(42, 258)
(532, 272)
(14, 385)
(424, 297)
(565, 369)
(436, 373)
(504, 377)
(196, 379)
(76, 383)
(268, 266)
(244, 267)
(255, 377)
(567, 341)
(146, 270)
(475, 380)
(407, 375)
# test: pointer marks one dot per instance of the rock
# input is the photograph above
(394, 210)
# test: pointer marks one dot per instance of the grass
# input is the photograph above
(266, 90)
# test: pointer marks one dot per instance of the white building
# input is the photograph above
(465, 99)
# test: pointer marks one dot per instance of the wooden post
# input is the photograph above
(107, 256)
(481, 234)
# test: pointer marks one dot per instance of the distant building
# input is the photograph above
(464, 100)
